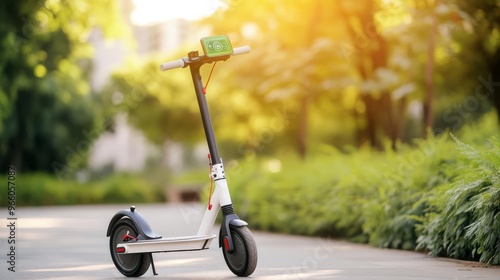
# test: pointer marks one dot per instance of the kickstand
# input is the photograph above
(153, 264)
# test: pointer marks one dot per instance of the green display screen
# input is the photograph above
(216, 46)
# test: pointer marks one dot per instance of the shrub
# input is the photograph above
(427, 196)
(42, 189)
(466, 224)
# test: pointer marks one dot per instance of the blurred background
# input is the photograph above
(379, 118)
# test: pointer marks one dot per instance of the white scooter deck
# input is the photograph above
(171, 244)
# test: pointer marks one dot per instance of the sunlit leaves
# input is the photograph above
(304, 52)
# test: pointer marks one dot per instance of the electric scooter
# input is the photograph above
(132, 241)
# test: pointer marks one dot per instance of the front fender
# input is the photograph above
(229, 221)
(238, 223)
(142, 225)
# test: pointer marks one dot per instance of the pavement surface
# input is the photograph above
(69, 242)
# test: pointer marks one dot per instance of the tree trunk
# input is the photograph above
(428, 105)
(400, 119)
(389, 122)
(306, 98)
(372, 120)
(379, 112)
(303, 127)
(495, 95)
(15, 154)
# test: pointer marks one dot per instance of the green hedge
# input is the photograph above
(438, 195)
(43, 189)
(465, 218)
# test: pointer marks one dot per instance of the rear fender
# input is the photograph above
(143, 227)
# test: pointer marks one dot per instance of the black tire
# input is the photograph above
(130, 265)
(243, 260)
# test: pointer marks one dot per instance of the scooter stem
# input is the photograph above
(205, 115)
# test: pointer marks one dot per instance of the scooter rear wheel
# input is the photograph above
(130, 265)
(243, 260)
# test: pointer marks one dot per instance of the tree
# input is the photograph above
(371, 62)
(294, 49)
(319, 72)
(483, 44)
(46, 109)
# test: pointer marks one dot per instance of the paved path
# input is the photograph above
(69, 243)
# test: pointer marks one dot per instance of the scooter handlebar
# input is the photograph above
(241, 50)
(179, 63)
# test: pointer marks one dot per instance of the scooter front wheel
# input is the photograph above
(130, 265)
(243, 260)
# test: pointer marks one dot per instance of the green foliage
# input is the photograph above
(343, 53)
(365, 196)
(45, 101)
(467, 224)
(41, 189)
(323, 72)
(427, 195)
